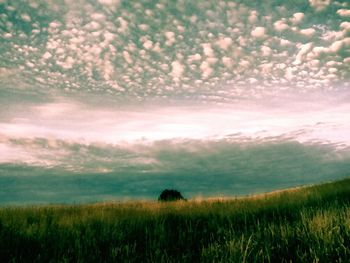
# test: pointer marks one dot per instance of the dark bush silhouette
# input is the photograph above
(170, 195)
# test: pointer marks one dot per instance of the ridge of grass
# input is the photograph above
(307, 224)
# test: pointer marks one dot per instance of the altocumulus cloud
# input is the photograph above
(141, 50)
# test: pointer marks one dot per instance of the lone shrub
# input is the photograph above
(170, 195)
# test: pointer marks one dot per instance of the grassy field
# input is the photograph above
(310, 224)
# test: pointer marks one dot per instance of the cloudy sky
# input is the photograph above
(117, 100)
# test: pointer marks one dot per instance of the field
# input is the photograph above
(308, 224)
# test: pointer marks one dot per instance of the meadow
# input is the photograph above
(307, 224)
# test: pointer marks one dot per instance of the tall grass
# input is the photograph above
(305, 225)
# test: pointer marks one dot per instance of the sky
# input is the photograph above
(104, 100)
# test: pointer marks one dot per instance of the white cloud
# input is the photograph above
(266, 51)
(227, 61)
(55, 24)
(26, 18)
(330, 36)
(208, 50)
(314, 64)
(143, 27)
(47, 55)
(301, 55)
(113, 4)
(156, 48)
(206, 69)
(127, 57)
(345, 26)
(280, 25)
(253, 17)
(332, 70)
(330, 76)
(244, 64)
(258, 33)
(7, 35)
(281, 66)
(224, 43)
(170, 36)
(319, 5)
(148, 44)
(212, 60)
(297, 18)
(266, 68)
(123, 25)
(195, 57)
(108, 36)
(177, 69)
(289, 73)
(98, 17)
(308, 32)
(67, 63)
(319, 50)
(285, 42)
(336, 46)
(30, 64)
(344, 12)
(93, 26)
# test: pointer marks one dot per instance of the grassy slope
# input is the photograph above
(301, 225)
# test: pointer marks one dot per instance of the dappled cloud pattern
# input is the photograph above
(186, 49)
